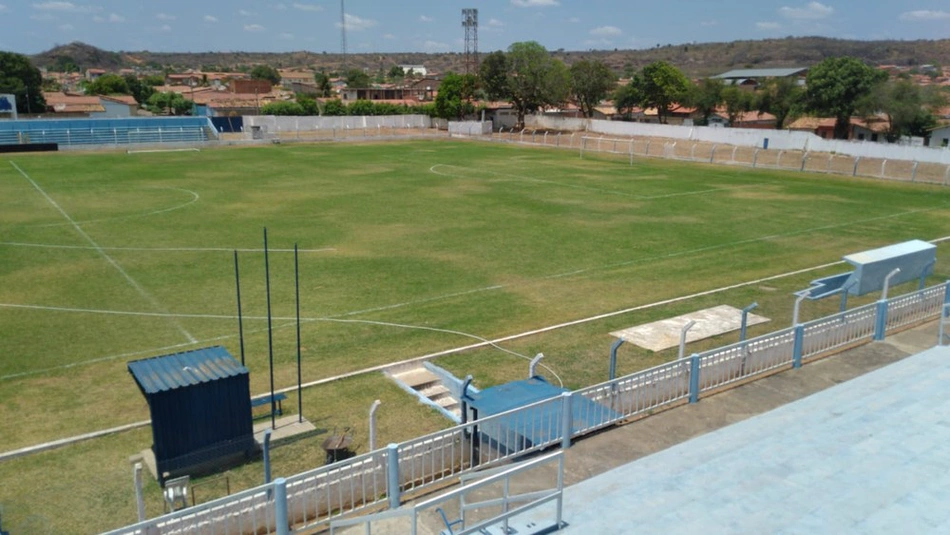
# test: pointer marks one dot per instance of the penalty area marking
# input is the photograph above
(164, 249)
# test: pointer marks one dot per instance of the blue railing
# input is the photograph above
(386, 476)
(78, 132)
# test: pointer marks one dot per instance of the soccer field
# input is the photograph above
(406, 249)
(111, 257)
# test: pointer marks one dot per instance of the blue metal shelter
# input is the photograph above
(200, 404)
(539, 425)
(914, 258)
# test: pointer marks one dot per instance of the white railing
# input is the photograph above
(737, 362)
(843, 329)
(498, 510)
(337, 489)
(251, 511)
(914, 307)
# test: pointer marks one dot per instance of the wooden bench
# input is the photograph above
(267, 401)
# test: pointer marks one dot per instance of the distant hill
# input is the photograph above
(694, 59)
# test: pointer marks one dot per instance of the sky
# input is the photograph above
(31, 26)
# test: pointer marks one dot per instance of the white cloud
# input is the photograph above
(165, 28)
(2, 8)
(924, 15)
(573, 20)
(67, 7)
(606, 31)
(811, 11)
(709, 23)
(280, 7)
(307, 7)
(254, 28)
(495, 23)
(165, 16)
(534, 3)
(356, 24)
(114, 18)
(245, 13)
(42, 17)
(210, 18)
(67, 27)
(285, 36)
(767, 26)
(423, 18)
(389, 36)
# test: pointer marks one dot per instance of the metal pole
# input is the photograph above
(237, 283)
(745, 322)
(688, 326)
(844, 295)
(139, 498)
(372, 425)
(392, 476)
(267, 433)
(281, 518)
(270, 334)
(612, 374)
(798, 303)
(887, 282)
(299, 380)
(533, 366)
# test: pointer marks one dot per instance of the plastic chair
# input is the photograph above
(448, 525)
(176, 493)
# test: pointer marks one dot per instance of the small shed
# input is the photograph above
(200, 404)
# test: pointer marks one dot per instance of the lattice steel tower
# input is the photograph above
(343, 33)
(470, 23)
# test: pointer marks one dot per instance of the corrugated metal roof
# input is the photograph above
(761, 73)
(160, 374)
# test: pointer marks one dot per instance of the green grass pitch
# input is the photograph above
(406, 249)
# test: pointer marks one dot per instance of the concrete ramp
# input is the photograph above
(665, 334)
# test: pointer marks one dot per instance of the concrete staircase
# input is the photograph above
(428, 385)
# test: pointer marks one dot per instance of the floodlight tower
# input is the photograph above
(470, 23)
(343, 32)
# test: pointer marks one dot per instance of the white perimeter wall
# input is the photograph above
(470, 128)
(272, 124)
(747, 137)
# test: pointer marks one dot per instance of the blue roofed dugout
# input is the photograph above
(540, 421)
(200, 405)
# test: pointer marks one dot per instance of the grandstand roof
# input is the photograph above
(761, 73)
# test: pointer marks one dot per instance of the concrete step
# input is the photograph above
(417, 377)
(434, 391)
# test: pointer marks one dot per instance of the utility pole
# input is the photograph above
(343, 33)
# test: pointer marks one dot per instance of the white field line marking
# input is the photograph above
(194, 199)
(372, 322)
(148, 297)
(587, 188)
(151, 151)
(163, 249)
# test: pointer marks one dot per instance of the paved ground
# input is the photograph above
(673, 485)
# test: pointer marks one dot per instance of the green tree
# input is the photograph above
(308, 104)
(737, 101)
(626, 97)
(493, 75)
(591, 82)
(661, 86)
(108, 84)
(396, 74)
(535, 79)
(906, 106)
(324, 88)
(454, 99)
(334, 107)
(169, 103)
(265, 72)
(283, 107)
(361, 107)
(357, 79)
(154, 80)
(139, 89)
(836, 87)
(706, 96)
(782, 97)
(19, 77)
